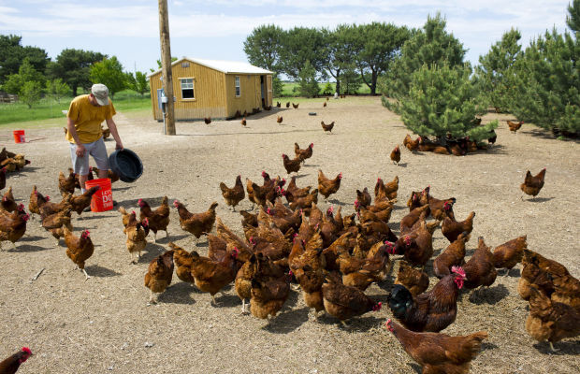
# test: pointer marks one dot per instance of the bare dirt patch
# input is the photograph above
(104, 326)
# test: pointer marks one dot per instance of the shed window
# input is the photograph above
(238, 89)
(187, 88)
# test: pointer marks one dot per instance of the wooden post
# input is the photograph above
(166, 67)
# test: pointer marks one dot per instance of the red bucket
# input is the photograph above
(19, 136)
(102, 199)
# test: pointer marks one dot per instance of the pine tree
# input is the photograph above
(495, 71)
(426, 47)
(443, 100)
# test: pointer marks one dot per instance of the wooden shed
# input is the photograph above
(211, 88)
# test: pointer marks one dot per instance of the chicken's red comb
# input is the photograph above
(458, 270)
(47, 198)
(26, 350)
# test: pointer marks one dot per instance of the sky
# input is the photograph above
(217, 29)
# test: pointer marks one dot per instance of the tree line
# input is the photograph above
(29, 72)
(423, 76)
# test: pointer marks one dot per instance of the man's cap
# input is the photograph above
(101, 93)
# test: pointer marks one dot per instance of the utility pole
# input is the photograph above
(166, 67)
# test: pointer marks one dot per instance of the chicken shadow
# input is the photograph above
(94, 216)
(488, 346)
(28, 248)
(101, 272)
(539, 199)
(227, 301)
(489, 296)
(402, 164)
(121, 188)
(563, 348)
(179, 293)
(336, 202)
(496, 149)
(356, 324)
(150, 252)
(287, 321)
(30, 238)
(162, 239)
(415, 367)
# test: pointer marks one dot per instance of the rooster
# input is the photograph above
(533, 184)
(328, 127)
(12, 363)
(291, 166)
(279, 119)
(197, 224)
(295, 106)
(303, 154)
(207, 120)
(326, 186)
(396, 155)
(79, 249)
(233, 195)
(158, 218)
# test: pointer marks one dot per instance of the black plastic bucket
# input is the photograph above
(126, 164)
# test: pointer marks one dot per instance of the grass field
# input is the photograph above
(291, 89)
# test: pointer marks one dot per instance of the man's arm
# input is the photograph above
(70, 126)
(113, 127)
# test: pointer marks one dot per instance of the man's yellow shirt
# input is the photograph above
(88, 118)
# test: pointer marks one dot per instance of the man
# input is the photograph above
(84, 118)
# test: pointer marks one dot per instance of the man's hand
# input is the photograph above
(119, 146)
(81, 150)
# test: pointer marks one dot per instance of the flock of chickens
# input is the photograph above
(331, 258)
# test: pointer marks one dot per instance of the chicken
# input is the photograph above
(452, 256)
(328, 127)
(288, 104)
(408, 222)
(136, 236)
(256, 194)
(158, 219)
(305, 202)
(324, 104)
(36, 200)
(344, 302)
(550, 320)
(386, 190)
(49, 208)
(114, 177)
(233, 195)
(360, 273)
(8, 203)
(279, 119)
(268, 294)
(90, 176)
(410, 143)
(81, 202)
(11, 364)
(243, 121)
(416, 281)
(414, 201)
(66, 184)
(439, 208)
(514, 126)
(396, 155)
(13, 226)
(439, 353)
(2, 178)
(417, 246)
(479, 269)
(451, 229)
(533, 184)
(295, 106)
(210, 275)
(492, 137)
(106, 132)
(79, 249)
(303, 154)
(430, 311)
(363, 199)
(326, 186)
(159, 275)
(207, 120)
(56, 222)
(291, 166)
(509, 253)
(197, 224)
(292, 191)
(182, 261)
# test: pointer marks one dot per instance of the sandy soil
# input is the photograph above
(104, 325)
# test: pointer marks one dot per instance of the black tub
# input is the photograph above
(126, 164)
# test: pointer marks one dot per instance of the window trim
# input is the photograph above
(181, 79)
(237, 86)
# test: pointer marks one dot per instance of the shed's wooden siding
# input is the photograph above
(214, 91)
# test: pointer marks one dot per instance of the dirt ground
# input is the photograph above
(104, 325)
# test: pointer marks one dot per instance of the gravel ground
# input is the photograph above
(104, 325)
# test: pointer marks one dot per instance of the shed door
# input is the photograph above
(269, 90)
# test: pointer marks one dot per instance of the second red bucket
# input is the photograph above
(102, 199)
(19, 136)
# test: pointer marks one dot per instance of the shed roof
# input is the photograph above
(228, 67)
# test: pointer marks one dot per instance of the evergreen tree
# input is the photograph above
(73, 67)
(308, 86)
(573, 19)
(495, 71)
(442, 100)
(110, 73)
(428, 46)
(277, 86)
(548, 84)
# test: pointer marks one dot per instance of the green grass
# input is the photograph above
(290, 89)
(44, 113)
